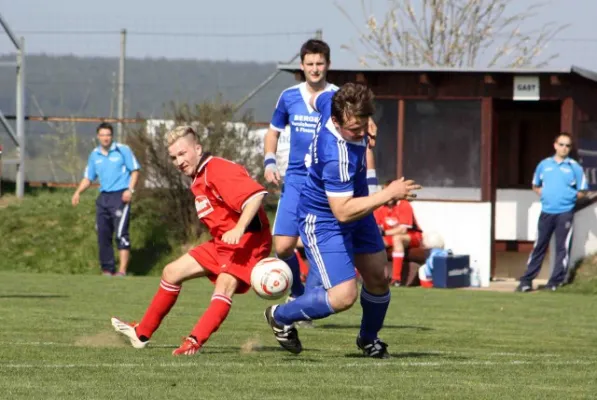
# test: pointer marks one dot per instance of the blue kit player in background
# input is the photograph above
(293, 109)
(337, 226)
(117, 170)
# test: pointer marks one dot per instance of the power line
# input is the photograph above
(171, 34)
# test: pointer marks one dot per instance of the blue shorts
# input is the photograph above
(286, 222)
(330, 247)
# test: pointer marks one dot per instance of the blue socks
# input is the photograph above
(297, 289)
(312, 305)
(374, 313)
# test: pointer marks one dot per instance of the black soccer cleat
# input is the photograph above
(286, 335)
(375, 348)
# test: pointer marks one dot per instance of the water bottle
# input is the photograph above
(475, 274)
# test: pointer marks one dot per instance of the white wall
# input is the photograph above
(516, 213)
(584, 237)
(465, 228)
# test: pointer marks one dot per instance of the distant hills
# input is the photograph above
(87, 87)
(69, 85)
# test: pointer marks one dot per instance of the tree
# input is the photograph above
(453, 33)
(165, 185)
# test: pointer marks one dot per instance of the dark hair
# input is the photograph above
(352, 100)
(105, 125)
(564, 134)
(315, 46)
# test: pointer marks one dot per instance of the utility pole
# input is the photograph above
(17, 137)
(20, 111)
(120, 113)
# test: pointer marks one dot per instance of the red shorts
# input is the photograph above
(237, 260)
(416, 239)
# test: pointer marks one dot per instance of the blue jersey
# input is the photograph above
(337, 167)
(293, 109)
(113, 169)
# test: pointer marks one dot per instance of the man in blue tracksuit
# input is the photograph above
(559, 181)
(117, 169)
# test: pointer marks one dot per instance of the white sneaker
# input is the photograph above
(301, 324)
(128, 330)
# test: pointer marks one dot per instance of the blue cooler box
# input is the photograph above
(451, 271)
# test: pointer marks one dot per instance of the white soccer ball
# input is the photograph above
(271, 278)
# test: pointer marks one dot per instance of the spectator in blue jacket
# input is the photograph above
(560, 182)
(117, 170)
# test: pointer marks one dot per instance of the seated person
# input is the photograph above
(400, 231)
(434, 244)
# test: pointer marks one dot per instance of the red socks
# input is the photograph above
(213, 317)
(397, 259)
(160, 306)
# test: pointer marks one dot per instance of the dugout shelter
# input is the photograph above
(472, 138)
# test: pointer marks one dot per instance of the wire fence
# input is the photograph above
(80, 78)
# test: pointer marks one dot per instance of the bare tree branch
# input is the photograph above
(452, 33)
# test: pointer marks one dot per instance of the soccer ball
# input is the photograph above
(271, 278)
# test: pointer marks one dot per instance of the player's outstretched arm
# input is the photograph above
(270, 145)
(348, 209)
(249, 211)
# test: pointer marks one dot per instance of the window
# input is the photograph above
(442, 145)
(386, 148)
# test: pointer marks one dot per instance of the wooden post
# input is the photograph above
(488, 169)
(400, 149)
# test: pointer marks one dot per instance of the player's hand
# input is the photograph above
(401, 229)
(372, 132)
(233, 235)
(75, 199)
(403, 189)
(127, 195)
(272, 175)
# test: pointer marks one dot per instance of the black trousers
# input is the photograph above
(112, 216)
(561, 225)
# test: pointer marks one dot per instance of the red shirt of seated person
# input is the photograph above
(400, 230)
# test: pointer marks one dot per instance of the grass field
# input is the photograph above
(56, 342)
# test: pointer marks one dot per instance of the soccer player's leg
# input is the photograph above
(232, 277)
(370, 260)
(286, 234)
(174, 274)
(217, 311)
(331, 283)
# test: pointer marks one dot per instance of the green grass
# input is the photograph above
(56, 342)
(45, 233)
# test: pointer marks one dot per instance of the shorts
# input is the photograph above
(287, 221)
(330, 247)
(237, 260)
(416, 239)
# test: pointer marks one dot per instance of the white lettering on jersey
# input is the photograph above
(203, 206)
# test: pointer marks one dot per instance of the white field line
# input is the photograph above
(294, 364)
(430, 353)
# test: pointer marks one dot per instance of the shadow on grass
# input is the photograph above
(144, 259)
(32, 296)
(413, 354)
(340, 326)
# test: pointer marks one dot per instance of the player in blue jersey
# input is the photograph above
(337, 226)
(293, 109)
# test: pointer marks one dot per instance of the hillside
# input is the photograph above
(69, 85)
(75, 86)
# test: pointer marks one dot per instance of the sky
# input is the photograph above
(237, 28)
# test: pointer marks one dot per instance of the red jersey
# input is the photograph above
(222, 188)
(388, 217)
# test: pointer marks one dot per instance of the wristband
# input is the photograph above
(269, 160)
